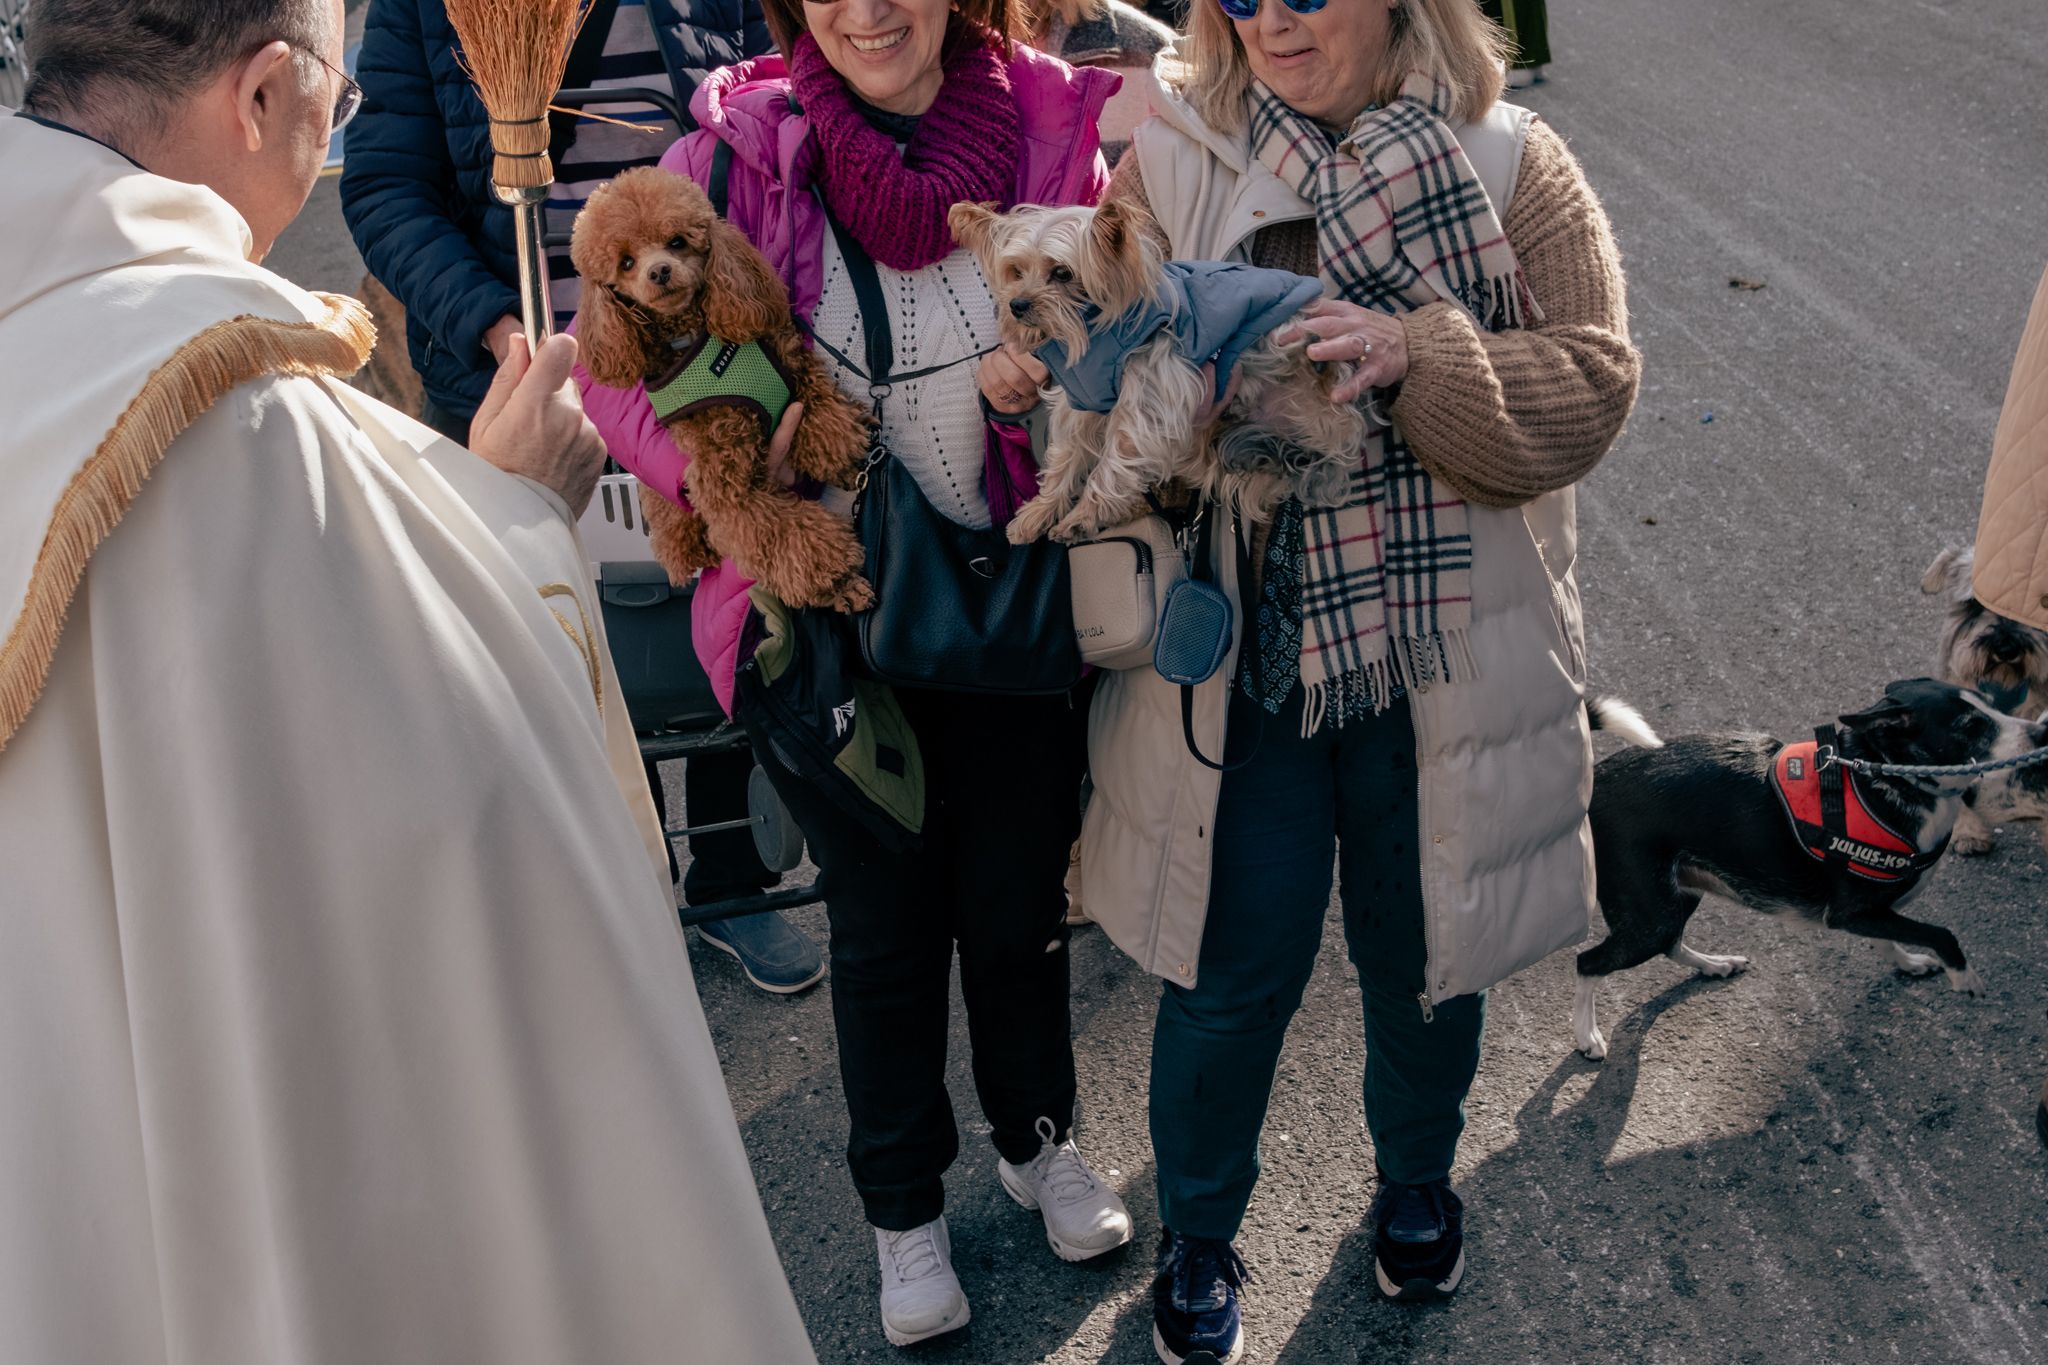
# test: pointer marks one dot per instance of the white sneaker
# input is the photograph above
(1083, 1216)
(921, 1296)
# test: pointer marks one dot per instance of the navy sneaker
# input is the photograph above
(1194, 1301)
(1418, 1240)
(775, 954)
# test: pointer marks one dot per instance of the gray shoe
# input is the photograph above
(775, 954)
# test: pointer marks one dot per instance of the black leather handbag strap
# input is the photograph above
(719, 191)
(1200, 570)
(880, 369)
(874, 312)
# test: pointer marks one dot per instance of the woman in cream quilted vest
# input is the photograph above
(1405, 699)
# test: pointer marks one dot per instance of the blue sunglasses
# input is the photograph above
(1249, 9)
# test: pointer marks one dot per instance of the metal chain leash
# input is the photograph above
(1827, 757)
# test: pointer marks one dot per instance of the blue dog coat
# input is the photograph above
(1216, 310)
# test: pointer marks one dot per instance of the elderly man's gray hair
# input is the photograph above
(131, 60)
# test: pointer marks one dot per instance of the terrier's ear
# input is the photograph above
(972, 225)
(1128, 226)
(1114, 231)
(1117, 264)
(1938, 574)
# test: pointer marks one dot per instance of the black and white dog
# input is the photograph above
(2004, 659)
(1747, 817)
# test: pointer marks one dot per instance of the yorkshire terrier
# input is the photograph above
(2007, 662)
(1078, 278)
(666, 284)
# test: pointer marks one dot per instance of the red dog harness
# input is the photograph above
(1832, 822)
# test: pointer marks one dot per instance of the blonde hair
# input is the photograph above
(1450, 39)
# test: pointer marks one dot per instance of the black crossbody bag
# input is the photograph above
(956, 609)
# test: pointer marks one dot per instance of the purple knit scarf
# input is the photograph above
(965, 150)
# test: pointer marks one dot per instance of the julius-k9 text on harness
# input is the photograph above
(710, 372)
(1832, 821)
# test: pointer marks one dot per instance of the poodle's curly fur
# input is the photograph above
(658, 264)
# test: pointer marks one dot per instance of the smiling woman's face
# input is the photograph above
(887, 50)
(1322, 64)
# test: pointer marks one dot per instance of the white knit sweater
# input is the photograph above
(934, 425)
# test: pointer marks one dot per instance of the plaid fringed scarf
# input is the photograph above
(1401, 221)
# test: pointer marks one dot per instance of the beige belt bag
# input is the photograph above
(1120, 581)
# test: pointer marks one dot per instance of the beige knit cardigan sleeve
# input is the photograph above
(1504, 417)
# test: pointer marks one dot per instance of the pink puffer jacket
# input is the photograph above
(770, 198)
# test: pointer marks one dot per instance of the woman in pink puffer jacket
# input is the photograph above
(887, 113)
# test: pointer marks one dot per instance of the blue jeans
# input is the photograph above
(1345, 795)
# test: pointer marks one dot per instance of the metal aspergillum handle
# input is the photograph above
(536, 311)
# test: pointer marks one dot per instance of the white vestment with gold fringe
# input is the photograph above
(344, 1016)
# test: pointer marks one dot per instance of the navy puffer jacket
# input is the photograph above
(415, 183)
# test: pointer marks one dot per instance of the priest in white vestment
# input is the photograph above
(344, 1015)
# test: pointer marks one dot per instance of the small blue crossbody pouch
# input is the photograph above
(1197, 626)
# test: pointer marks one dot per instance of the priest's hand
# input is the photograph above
(531, 423)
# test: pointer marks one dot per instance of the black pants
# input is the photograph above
(1001, 779)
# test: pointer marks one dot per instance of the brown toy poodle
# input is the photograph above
(678, 298)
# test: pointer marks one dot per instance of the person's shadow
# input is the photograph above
(1348, 1318)
(1788, 1240)
(1550, 1148)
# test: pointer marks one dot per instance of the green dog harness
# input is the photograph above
(712, 373)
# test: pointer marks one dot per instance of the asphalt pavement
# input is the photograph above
(1819, 1159)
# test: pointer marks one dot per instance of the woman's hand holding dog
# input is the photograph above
(531, 423)
(1206, 418)
(1010, 378)
(1376, 344)
(779, 442)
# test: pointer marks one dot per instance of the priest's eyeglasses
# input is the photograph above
(348, 99)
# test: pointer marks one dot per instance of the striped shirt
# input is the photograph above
(602, 150)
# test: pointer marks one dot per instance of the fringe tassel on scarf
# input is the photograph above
(1385, 586)
(1412, 664)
